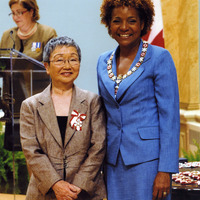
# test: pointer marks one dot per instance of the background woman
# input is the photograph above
(63, 131)
(138, 84)
(29, 36)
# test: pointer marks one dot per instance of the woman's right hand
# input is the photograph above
(65, 191)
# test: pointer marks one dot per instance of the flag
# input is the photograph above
(155, 36)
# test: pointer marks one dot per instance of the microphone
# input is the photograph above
(11, 33)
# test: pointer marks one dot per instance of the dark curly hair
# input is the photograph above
(145, 10)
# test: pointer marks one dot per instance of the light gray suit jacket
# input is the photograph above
(83, 151)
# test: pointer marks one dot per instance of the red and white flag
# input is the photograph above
(155, 36)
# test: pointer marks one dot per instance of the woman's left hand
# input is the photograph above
(161, 186)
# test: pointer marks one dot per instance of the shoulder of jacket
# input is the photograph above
(88, 95)
(157, 49)
(7, 32)
(43, 27)
(106, 53)
(33, 99)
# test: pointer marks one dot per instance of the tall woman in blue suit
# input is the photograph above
(138, 83)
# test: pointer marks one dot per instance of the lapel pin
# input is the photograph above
(76, 120)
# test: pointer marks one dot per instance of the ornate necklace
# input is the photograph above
(29, 33)
(118, 79)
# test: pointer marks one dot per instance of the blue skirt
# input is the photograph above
(133, 182)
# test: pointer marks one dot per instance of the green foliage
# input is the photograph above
(193, 156)
(7, 167)
(6, 161)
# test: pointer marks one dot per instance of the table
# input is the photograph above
(186, 192)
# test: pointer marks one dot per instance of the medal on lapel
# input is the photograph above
(76, 120)
(36, 46)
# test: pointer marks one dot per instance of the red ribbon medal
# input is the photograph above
(76, 120)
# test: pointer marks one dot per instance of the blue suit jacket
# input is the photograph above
(143, 121)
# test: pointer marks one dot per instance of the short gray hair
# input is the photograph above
(59, 41)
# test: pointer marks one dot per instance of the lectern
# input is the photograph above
(20, 77)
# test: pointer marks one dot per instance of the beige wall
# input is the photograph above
(181, 34)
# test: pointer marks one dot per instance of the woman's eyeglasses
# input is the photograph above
(61, 61)
(18, 13)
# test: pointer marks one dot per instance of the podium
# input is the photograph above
(20, 78)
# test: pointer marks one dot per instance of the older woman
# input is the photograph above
(139, 87)
(29, 37)
(63, 131)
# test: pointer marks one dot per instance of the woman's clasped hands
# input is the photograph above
(65, 191)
